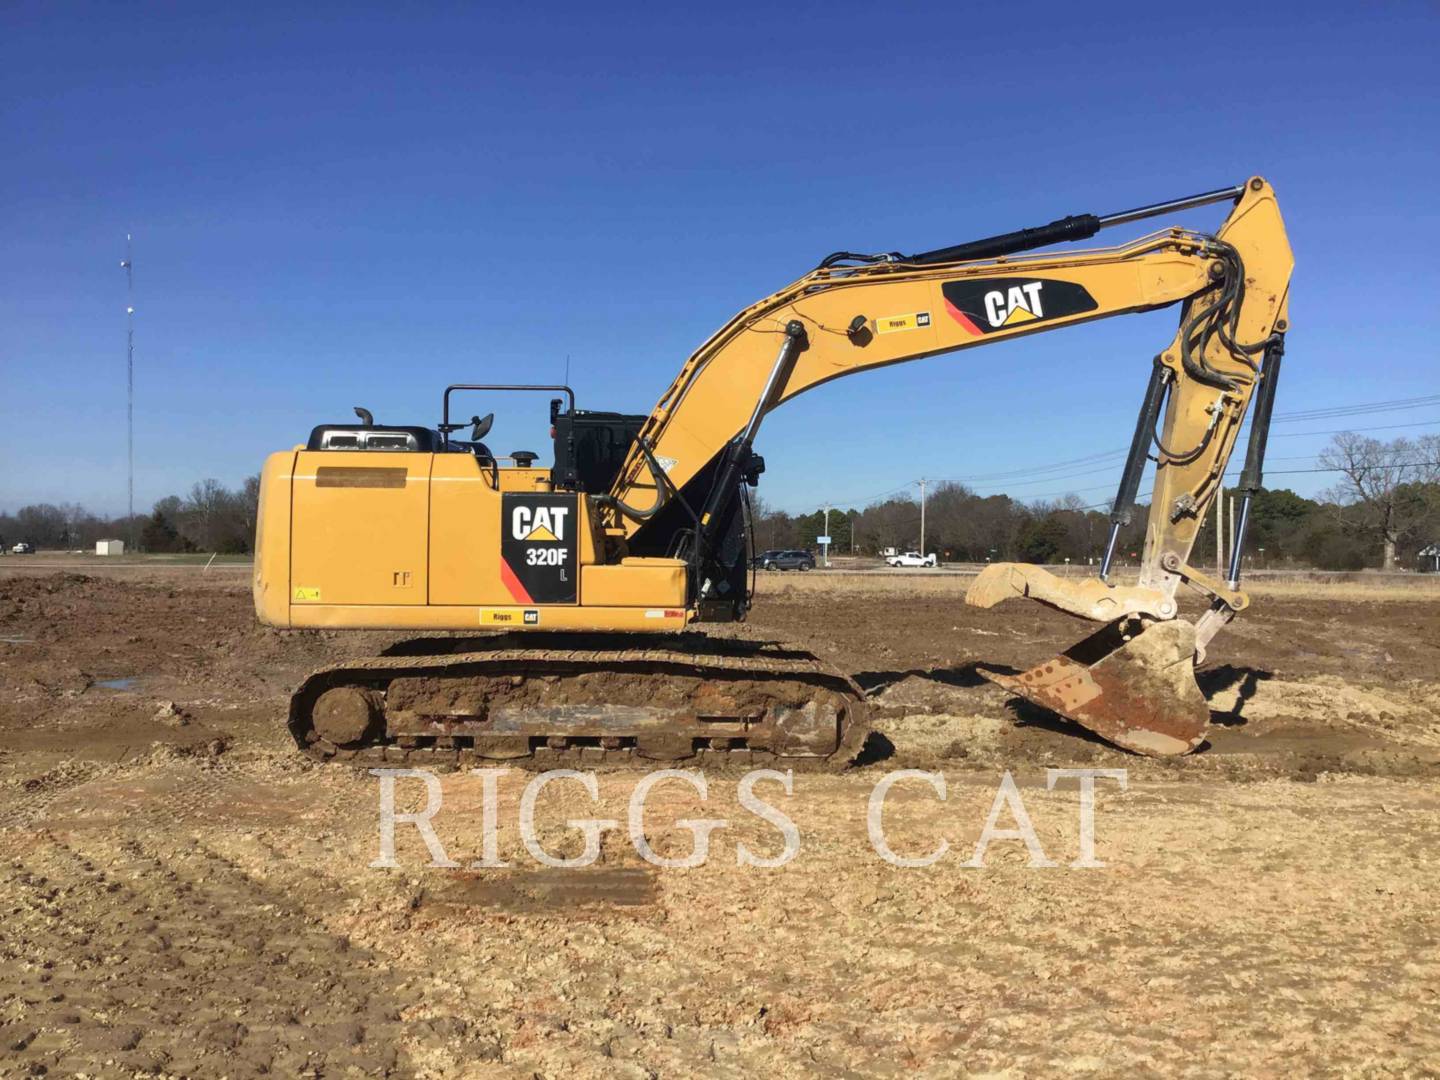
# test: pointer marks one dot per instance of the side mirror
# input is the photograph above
(482, 426)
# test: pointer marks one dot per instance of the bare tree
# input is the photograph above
(200, 511)
(249, 504)
(894, 522)
(774, 529)
(1377, 481)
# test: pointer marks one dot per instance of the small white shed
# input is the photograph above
(109, 547)
(1430, 559)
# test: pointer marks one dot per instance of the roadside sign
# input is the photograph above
(822, 540)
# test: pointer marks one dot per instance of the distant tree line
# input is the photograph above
(1383, 510)
(211, 518)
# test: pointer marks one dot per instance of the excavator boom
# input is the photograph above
(1131, 682)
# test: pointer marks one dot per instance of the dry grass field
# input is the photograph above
(183, 896)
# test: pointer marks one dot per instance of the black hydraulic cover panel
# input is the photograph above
(590, 447)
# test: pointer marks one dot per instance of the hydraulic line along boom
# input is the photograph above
(1075, 227)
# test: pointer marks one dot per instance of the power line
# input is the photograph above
(1343, 431)
(1040, 470)
(1041, 474)
(870, 498)
(1358, 409)
(1235, 475)
(1355, 468)
(1014, 473)
(1052, 479)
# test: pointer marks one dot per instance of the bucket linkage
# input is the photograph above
(1132, 682)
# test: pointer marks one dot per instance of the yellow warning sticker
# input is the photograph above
(889, 324)
(303, 592)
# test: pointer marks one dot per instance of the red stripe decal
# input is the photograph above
(512, 583)
(963, 319)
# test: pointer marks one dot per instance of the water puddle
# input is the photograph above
(126, 683)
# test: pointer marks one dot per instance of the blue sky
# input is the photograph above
(338, 206)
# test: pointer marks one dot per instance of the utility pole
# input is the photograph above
(129, 267)
(827, 536)
(921, 482)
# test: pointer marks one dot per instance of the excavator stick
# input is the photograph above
(1132, 683)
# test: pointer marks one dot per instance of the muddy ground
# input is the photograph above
(181, 895)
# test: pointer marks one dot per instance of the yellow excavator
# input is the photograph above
(641, 525)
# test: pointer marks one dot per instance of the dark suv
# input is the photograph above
(785, 560)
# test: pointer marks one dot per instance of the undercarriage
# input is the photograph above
(582, 701)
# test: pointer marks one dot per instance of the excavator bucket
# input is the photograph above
(1132, 683)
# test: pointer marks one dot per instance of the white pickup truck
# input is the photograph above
(911, 558)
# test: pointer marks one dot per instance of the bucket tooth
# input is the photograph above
(1131, 684)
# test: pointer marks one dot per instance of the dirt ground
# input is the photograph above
(182, 895)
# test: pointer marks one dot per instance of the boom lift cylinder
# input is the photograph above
(739, 454)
